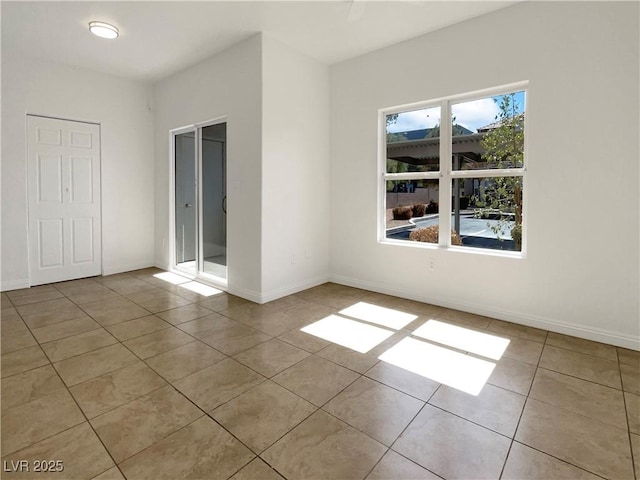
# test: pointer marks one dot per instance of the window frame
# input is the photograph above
(445, 175)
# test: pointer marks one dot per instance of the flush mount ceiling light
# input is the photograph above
(103, 30)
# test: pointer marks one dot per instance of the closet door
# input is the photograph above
(63, 165)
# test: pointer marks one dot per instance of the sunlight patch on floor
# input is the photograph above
(348, 333)
(490, 346)
(439, 364)
(171, 278)
(387, 317)
(201, 289)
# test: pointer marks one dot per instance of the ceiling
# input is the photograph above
(158, 39)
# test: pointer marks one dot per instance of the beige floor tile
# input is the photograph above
(439, 441)
(78, 450)
(16, 341)
(137, 425)
(629, 357)
(305, 341)
(137, 327)
(633, 411)
(403, 380)
(512, 375)
(111, 474)
(218, 384)
(494, 408)
(126, 285)
(201, 450)
(375, 409)
(478, 322)
(316, 379)
(583, 346)
(262, 415)
(8, 313)
(336, 300)
(47, 313)
(30, 385)
(257, 469)
(425, 310)
(157, 300)
(630, 378)
(96, 293)
(515, 330)
(356, 361)
(525, 462)
(185, 360)
(183, 314)
(585, 398)
(64, 329)
(279, 321)
(81, 285)
(114, 389)
(579, 365)
(207, 325)
(22, 360)
(581, 441)
(158, 342)
(38, 419)
(235, 339)
(114, 310)
(223, 301)
(248, 312)
(34, 295)
(78, 344)
(12, 323)
(395, 466)
(271, 357)
(324, 447)
(4, 301)
(635, 447)
(525, 351)
(89, 365)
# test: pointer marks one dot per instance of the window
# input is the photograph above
(475, 200)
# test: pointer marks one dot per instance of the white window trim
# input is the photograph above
(446, 174)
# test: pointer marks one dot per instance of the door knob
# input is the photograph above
(188, 205)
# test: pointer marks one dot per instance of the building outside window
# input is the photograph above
(474, 200)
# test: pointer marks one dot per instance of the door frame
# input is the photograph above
(99, 254)
(218, 282)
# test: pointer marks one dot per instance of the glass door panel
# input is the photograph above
(214, 198)
(185, 198)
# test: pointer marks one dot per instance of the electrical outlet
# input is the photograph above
(293, 259)
(432, 264)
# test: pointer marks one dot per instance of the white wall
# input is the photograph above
(227, 84)
(581, 272)
(295, 171)
(122, 109)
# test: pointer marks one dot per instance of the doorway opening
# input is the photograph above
(200, 198)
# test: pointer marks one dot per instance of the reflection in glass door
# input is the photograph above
(200, 201)
(185, 201)
(214, 198)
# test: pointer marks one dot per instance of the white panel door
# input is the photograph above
(63, 162)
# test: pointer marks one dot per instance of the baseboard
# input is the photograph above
(291, 289)
(264, 297)
(553, 325)
(112, 270)
(245, 293)
(8, 285)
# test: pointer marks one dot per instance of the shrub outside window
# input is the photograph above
(476, 199)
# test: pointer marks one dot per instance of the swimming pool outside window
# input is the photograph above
(475, 200)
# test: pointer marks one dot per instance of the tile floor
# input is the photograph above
(129, 376)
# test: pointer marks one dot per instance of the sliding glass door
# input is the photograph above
(200, 201)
